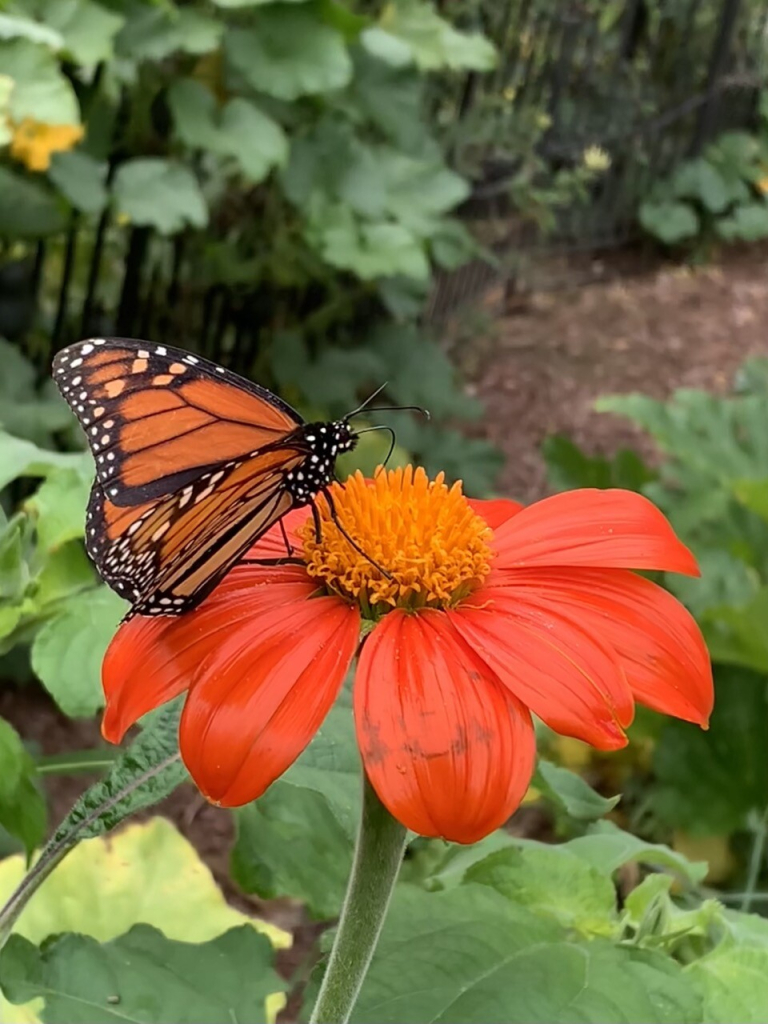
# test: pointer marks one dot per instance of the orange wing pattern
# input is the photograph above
(193, 465)
(156, 417)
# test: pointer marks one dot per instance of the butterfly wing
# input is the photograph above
(166, 555)
(191, 464)
(157, 418)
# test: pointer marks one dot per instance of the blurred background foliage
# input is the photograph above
(301, 191)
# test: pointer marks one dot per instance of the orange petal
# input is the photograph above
(272, 544)
(152, 659)
(571, 679)
(261, 695)
(496, 511)
(599, 529)
(449, 750)
(657, 640)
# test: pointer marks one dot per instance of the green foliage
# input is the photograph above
(142, 976)
(22, 808)
(719, 195)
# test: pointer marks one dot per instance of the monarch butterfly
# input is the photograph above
(193, 465)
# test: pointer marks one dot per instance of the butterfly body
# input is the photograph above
(193, 465)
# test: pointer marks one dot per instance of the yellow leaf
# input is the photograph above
(146, 873)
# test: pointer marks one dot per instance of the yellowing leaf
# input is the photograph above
(146, 873)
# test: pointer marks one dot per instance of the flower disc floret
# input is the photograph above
(426, 536)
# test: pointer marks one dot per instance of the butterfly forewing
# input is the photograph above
(193, 465)
(156, 417)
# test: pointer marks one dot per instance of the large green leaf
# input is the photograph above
(747, 223)
(464, 955)
(699, 179)
(553, 883)
(40, 90)
(87, 28)
(22, 458)
(159, 193)
(606, 847)
(569, 467)
(241, 130)
(289, 52)
(22, 807)
(734, 983)
(144, 977)
(68, 649)
(670, 222)
(58, 506)
(411, 30)
(80, 179)
(707, 783)
(154, 32)
(27, 209)
(290, 843)
(18, 26)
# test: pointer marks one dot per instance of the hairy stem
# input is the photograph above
(378, 856)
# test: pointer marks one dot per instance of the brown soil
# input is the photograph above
(538, 367)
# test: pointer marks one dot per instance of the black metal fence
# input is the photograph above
(648, 81)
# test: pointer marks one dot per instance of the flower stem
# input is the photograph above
(378, 856)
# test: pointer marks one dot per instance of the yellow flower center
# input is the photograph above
(426, 537)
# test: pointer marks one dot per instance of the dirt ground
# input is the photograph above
(538, 367)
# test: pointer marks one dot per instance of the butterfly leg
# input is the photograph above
(340, 527)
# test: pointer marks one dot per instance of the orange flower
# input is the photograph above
(34, 142)
(493, 611)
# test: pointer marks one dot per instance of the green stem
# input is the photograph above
(755, 861)
(378, 856)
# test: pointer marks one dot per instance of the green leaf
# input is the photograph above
(669, 221)
(143, 976)
(707, 783)
(330, 765)
(159, 193)
(58, 506)
(80, 179)
(22, 458)
(22, 807)
(735, 634)
(698, 179)
(747, 223)
(290, 843)
(40, 90)
(27, 209)
(734, 983)
(606, 847)
(288, 52)
(572, 793)
(412, 30)
(155, 32)
(569, 467)
(554, 883)
(241, 131)
(87, 28)
(146, 772)
(464, 955)
(369, 250)
(68, 650)
(18, 27)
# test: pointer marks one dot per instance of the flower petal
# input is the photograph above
(658, 642)
(152, 659)
(594, 528)
(261, 695)
(272, 544)
(496, 511)
(565, 675)
(449, 750)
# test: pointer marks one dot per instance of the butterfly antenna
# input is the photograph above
(392, 438)
(340, 527)
(400, 408)
(366, 403)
